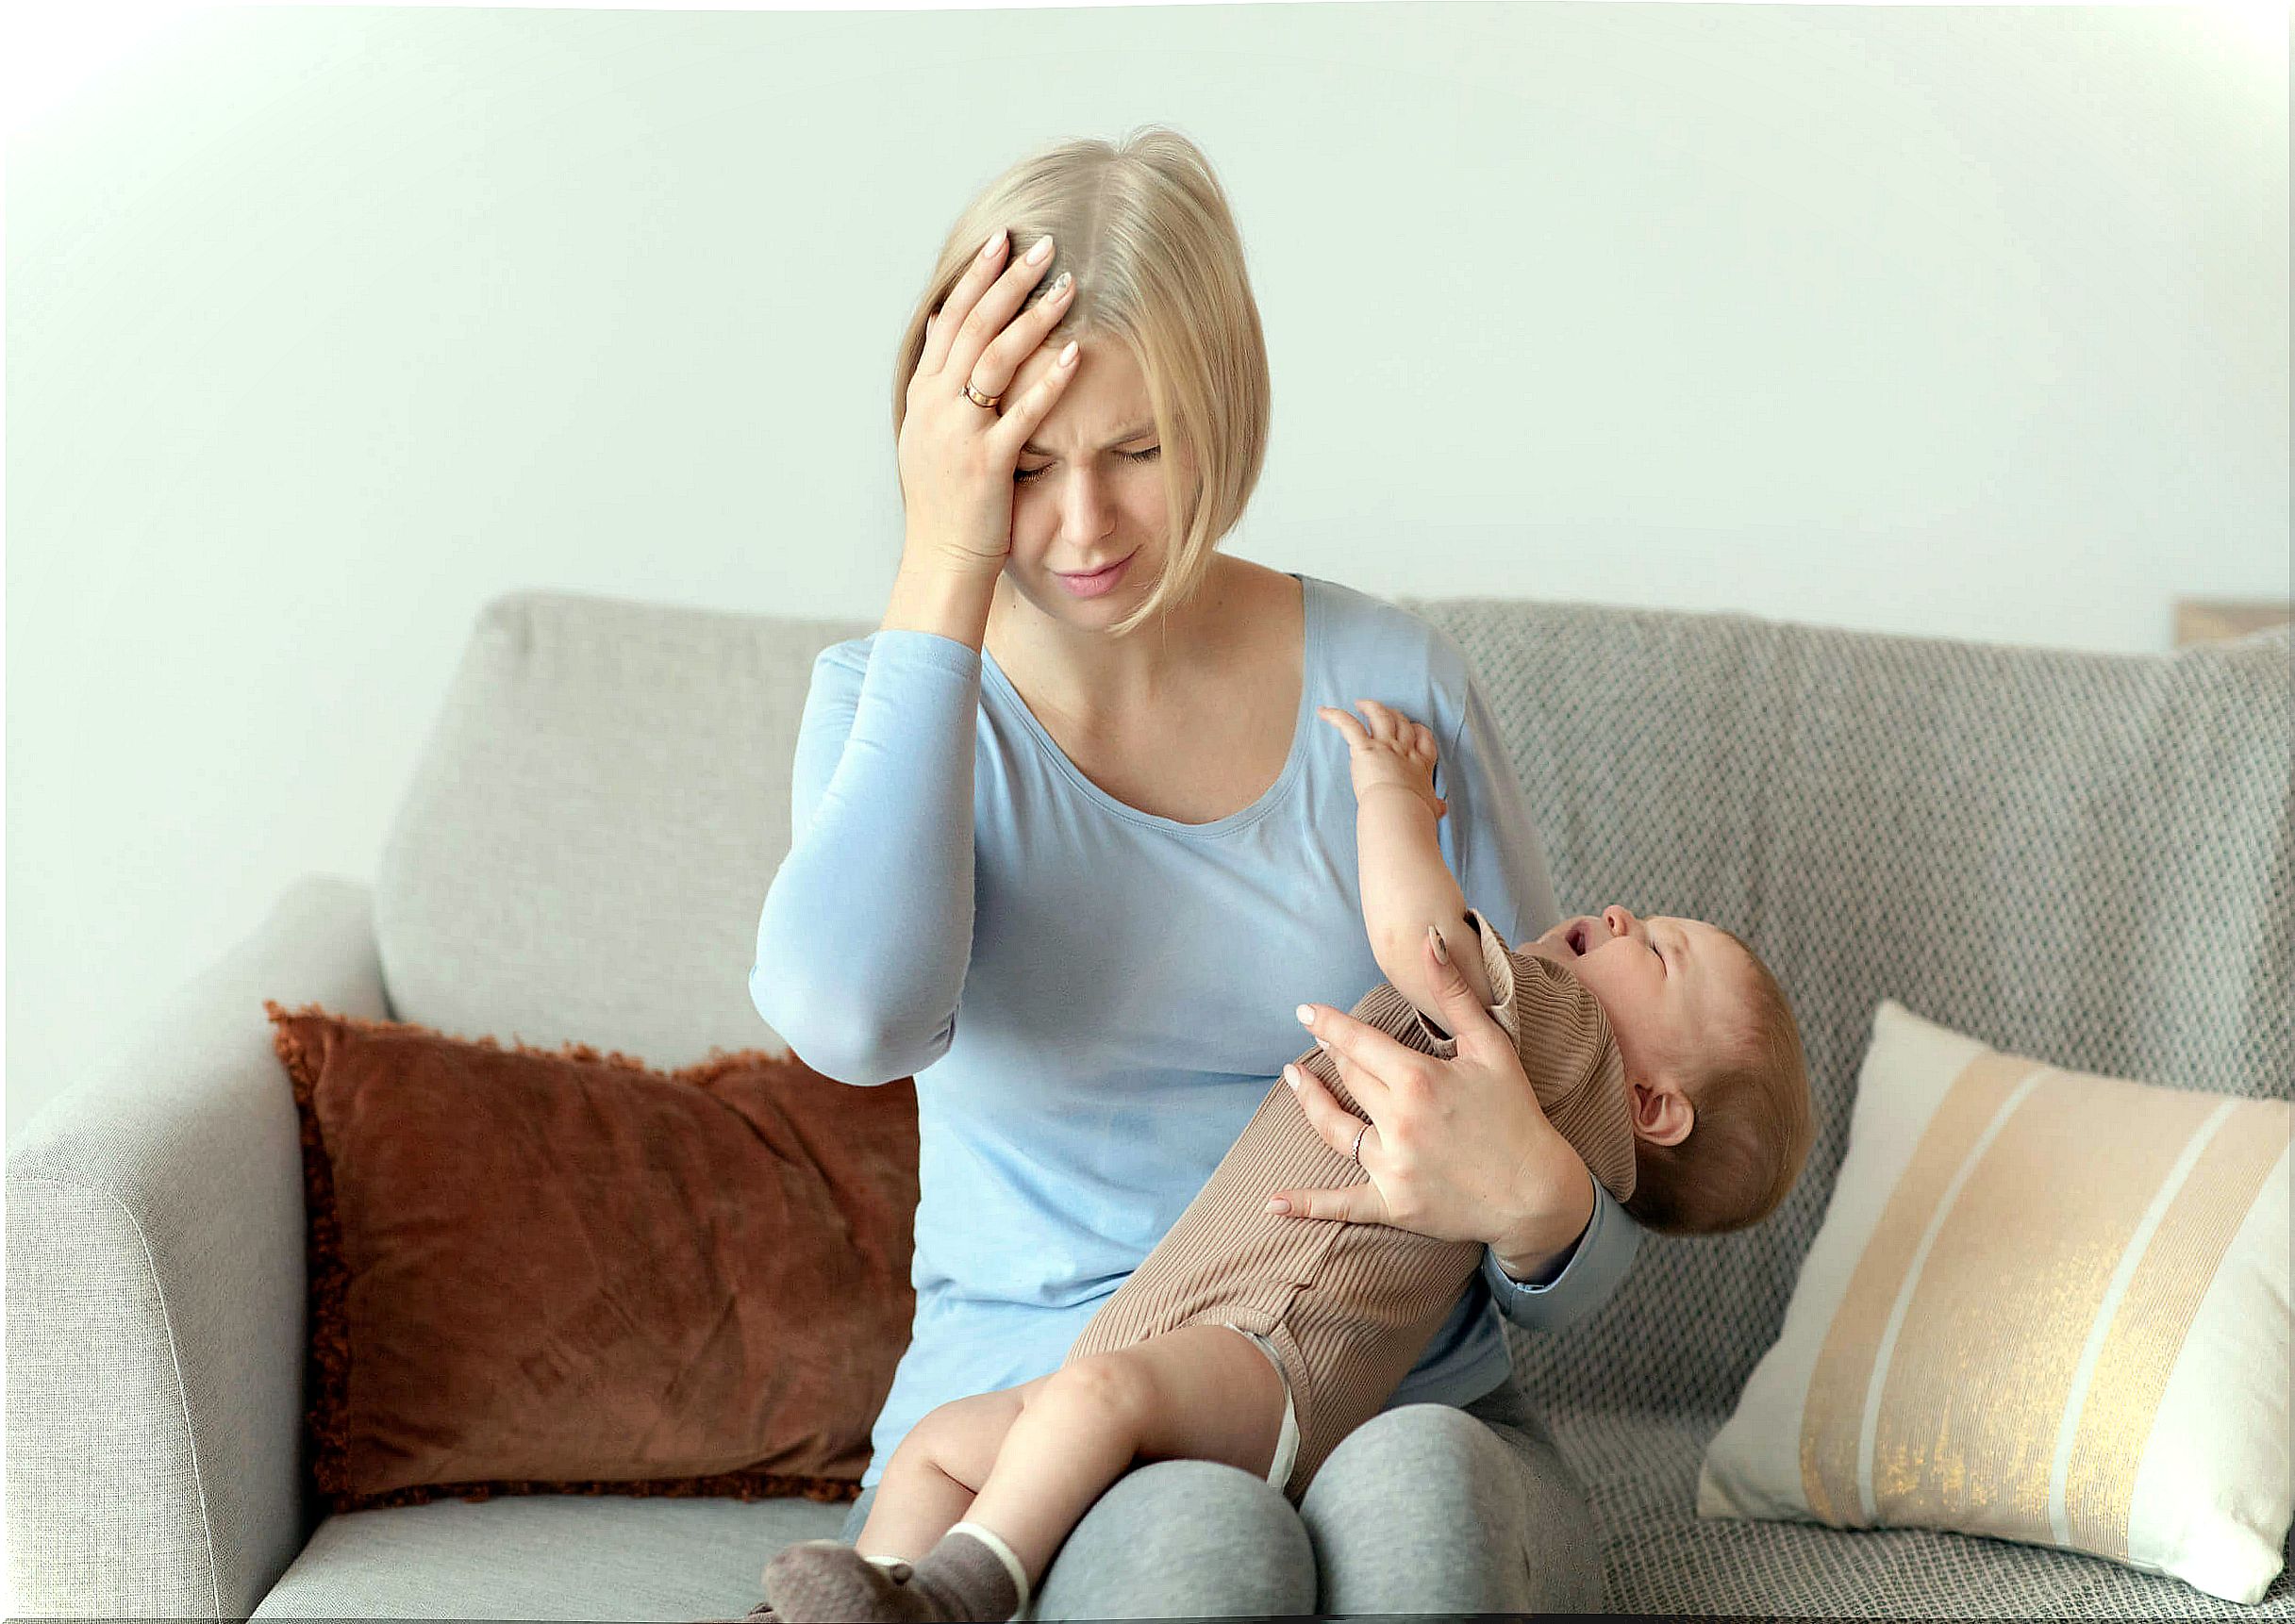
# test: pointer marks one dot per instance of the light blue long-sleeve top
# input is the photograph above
(1093, 999)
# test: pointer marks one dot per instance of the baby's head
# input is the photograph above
(1713, 1065)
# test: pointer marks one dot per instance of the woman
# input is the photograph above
(1069, 847)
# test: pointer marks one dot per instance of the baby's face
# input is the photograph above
(1670, 987)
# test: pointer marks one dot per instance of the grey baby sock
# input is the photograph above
(970, 1576)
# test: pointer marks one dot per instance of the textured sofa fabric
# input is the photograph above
(2083, 856)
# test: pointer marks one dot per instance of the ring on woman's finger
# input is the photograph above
(978, 398)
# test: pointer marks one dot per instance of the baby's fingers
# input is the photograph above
(1345, 723)
(1385, 725)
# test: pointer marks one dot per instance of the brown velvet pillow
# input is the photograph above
(569, 1273)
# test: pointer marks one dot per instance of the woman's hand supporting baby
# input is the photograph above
(1458, 1149)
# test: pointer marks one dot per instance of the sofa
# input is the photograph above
(2079, 855)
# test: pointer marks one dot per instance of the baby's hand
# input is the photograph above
(1392, 749)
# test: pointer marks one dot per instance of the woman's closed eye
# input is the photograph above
(1022, 475)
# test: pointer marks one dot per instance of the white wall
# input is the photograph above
(326, 325)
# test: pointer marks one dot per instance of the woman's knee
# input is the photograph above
(1182, 1538)
(1427, 1508)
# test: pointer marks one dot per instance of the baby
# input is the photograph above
(1662, 1051)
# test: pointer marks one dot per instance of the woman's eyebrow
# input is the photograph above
(1129, 434)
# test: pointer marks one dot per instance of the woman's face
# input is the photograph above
(1089, 492)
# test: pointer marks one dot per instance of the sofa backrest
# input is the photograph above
(585, 843)
(2079, 857)
(2082, 858)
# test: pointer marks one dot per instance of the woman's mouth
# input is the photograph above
(1100, 582)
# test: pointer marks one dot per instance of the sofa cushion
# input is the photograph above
(641, 1559)
(546, 1556)
(2043, 1306)
(536, 1272)
(1661, 1558)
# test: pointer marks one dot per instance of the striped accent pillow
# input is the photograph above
(2045, 1306)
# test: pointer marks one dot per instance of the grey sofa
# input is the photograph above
(2082, 856)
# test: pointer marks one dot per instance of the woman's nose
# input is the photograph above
(1621, 921)
(1086, 509)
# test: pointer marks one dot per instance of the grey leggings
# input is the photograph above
(1424, 1508)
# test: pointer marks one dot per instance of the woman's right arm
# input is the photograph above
(868, 925)
(867, 928)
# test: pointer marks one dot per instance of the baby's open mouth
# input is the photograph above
(1575, 937)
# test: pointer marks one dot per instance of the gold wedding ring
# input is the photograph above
(978, 398)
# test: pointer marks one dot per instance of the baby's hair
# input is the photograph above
(1752, 1130)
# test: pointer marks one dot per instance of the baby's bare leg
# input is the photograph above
(938, 1467)
(1202, 1392)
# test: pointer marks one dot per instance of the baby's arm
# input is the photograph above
(1406, 886)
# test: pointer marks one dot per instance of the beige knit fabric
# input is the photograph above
(1351, 1307)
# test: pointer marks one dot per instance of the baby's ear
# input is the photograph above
(1660, 1115)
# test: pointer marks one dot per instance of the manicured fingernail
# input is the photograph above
(988, 248)
(1290, 1075)
(1306, 1015)
(1433, 940)
(1279, 1205)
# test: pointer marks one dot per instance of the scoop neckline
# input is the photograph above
(1293, 764)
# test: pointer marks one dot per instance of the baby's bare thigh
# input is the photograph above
(1210, 1396)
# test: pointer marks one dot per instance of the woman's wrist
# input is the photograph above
(1529, 1247)
(953, 603)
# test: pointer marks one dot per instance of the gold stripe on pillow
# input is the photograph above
(1833, 1414)
(1967, 1423)
(1975, 1379)
(2145, 1335)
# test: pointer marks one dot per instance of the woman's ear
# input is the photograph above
(1661, 1115)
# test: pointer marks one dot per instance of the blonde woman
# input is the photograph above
(1070, 847)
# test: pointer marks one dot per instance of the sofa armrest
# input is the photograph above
(156, 1290)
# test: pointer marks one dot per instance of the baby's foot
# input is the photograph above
(821, 1580)
(761, 1613)
(960, 1581)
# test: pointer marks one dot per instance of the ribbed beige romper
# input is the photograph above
(1345, 1309)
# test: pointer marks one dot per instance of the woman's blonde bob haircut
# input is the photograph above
(1159, 266)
